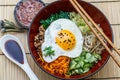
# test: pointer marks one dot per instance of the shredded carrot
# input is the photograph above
(59, 66)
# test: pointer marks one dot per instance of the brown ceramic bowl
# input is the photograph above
(65, 5)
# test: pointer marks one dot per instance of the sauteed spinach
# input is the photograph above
(54, 17)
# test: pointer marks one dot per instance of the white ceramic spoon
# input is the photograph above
(6, 41)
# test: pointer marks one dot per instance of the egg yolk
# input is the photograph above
(65, 39)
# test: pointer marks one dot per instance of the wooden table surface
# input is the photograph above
(10, 71)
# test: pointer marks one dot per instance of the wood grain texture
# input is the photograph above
(110, 10)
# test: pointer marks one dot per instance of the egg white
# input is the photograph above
(50, 39)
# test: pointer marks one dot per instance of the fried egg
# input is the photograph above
(64, 38)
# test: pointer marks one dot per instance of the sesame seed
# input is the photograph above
(64, 41)
(69, 40)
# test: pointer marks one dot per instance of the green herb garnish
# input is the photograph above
(54, 17)
(49, 51)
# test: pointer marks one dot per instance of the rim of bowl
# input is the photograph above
(72, 78)
(16, 18)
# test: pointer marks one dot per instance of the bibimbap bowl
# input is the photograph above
(80, 67)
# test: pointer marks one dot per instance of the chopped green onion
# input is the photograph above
(8, 26)
(49, 52)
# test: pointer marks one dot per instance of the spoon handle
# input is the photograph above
(29, 72)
